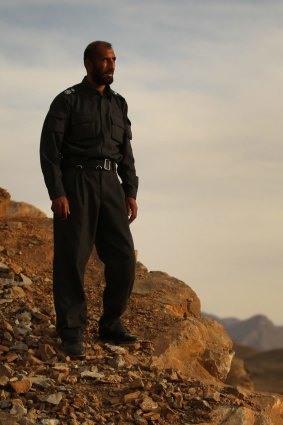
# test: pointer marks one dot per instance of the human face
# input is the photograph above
(103, 66)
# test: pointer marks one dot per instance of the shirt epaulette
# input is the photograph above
(70, 90)
(117, 94)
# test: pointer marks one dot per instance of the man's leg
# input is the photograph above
(115, 247)
(73, 243)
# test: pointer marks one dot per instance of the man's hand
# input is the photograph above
(132, 208)
(60, 207)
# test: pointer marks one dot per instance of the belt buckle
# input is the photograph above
(107, 164)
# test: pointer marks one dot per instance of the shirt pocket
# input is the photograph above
(117, 129)
(83, 127)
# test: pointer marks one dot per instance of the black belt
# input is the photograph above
(97, 164)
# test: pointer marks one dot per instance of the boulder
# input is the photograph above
(197, 347)
(194, 345)
(174, 294)
(4, 203)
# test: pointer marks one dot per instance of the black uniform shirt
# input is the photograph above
(83, 124)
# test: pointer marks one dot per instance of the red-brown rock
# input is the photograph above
(46, 352)
(21, 386)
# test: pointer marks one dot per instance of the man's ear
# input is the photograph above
(88, 64)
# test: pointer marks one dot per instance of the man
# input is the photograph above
(85, 142)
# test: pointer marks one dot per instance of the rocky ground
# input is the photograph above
(174, 375)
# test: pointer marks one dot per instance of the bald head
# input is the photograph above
(93, 49)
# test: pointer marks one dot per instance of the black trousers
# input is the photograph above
(98, 217)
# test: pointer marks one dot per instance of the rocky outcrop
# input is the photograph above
(173, 375)
(22, 209)
(13, 209)
(4, 203)
(182, 302)
(196, 346)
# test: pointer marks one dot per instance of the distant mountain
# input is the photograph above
(226, 322)
(257, 332)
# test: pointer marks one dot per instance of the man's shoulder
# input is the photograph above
(64, 100)
(118, 95)
(69, 91)
(120, 100)
(66, 97)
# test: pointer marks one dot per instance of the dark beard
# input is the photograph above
(101, 78)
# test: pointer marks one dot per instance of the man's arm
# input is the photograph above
(50, 154)
(126, 170)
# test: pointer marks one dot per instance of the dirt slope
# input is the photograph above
(174, 375)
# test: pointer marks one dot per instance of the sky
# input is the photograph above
(203, 80)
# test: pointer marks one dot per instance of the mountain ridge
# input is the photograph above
(257, 332)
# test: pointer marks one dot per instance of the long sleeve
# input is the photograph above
(50, 145)
(126, 167)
